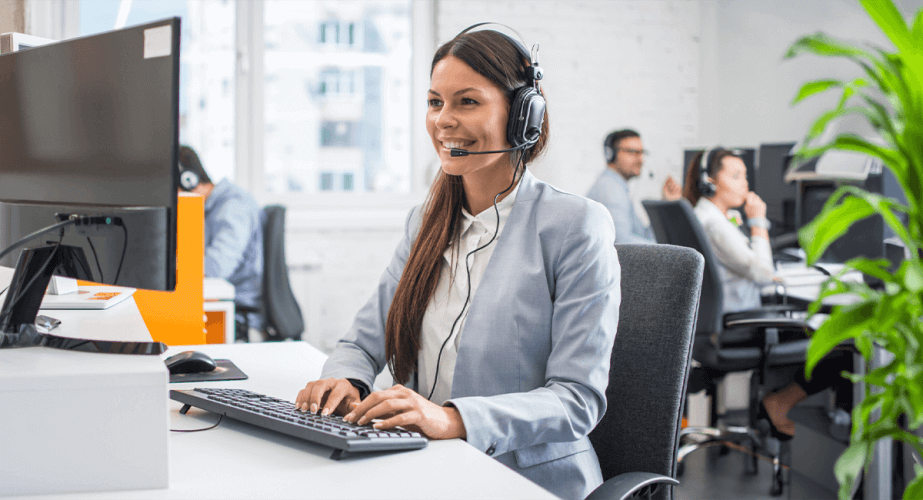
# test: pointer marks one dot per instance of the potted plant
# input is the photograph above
(889, 94)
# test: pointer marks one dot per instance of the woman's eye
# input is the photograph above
(468, 100)
(434, 102)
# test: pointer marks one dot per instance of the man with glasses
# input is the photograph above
(624, 159)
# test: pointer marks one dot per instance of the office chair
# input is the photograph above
(282, 318)
(637, 439)
(747, 341)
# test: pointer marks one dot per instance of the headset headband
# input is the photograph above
(535, 73)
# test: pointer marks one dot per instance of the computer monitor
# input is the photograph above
(769, 184)
(11, 42)
(89, 133)
(748, 155)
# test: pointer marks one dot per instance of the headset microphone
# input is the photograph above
(465, 152)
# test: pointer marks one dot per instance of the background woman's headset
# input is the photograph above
(705, 185)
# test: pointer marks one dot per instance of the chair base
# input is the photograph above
(753, 443)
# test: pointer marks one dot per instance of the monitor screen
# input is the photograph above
(90, 127)
(769, 184)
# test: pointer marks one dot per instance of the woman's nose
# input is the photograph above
(445, 118)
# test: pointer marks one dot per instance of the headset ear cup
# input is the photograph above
(610, 154)
(527, 114)
(188, 180)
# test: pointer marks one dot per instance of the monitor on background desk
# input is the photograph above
(89, 132)
(769, 184)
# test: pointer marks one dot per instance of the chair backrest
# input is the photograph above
(282, 315)
(650, 361)
(675, 223)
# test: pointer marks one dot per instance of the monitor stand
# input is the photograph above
(24, 298)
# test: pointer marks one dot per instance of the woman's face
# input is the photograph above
(466, 111)
(731, 182)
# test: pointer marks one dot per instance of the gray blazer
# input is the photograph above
(533, 358)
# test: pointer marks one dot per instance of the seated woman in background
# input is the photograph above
(716, 182)
(714, 187)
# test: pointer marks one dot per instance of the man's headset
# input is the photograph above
(527, 107)
(609, 149)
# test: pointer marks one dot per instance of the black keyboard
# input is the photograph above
(282, 416)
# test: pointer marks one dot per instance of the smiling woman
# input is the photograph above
(498, 312)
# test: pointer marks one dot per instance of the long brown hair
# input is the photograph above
(492, 55)
(691, 189)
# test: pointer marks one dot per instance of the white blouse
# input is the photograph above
(746, 264)
(450, 295)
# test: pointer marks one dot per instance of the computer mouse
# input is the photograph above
(190, 362)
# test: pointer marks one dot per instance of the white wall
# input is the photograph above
(747, 87)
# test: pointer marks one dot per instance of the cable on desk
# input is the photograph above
(199, 430)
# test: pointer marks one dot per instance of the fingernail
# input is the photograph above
(377, 425)
(325, 412)
(313, 407)
(349, 417)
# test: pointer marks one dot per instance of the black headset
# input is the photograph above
(527, 107)
(188, 180)
(707, 187)
(609, 149)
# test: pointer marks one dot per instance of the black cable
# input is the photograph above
(200, 430)
(519, 163)
(100, 268)
(124, 248)
(4, 290)
(36, 234)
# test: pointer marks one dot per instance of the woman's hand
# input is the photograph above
(754, 206)
(671, 191)
(330, 395)
(400, 406)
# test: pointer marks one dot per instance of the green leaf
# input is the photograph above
(822, 45)
(847, 323)
(841, 212)
(891, 22)
(815, 87)
(917, 30)
(849, 466)
(911, 272)
(914, 490)
(838, 214)
(877, 268)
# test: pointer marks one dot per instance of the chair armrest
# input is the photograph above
(629, 485)
(767, 322)
(246, 309)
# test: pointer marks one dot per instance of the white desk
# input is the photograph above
(236, 460)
